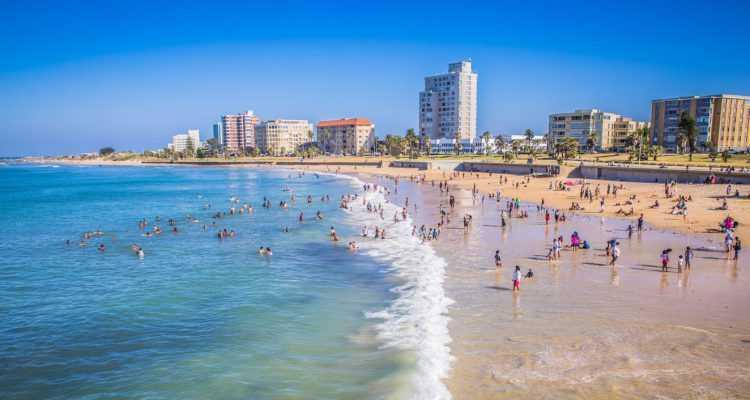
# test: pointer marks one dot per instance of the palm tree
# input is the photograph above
(688, 133)
(725, 156)
(457, 143)
(500, 142)
(655, 151)
(566, 147)
(591, 141)
(529, 134)
(411, 140)
(515, 145)
(712, 152)
(486, 138)
(424, 143)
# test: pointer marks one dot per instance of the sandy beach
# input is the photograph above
(703, 217)
(581, 328)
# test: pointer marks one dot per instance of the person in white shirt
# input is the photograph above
(517, 279)
(615, 253)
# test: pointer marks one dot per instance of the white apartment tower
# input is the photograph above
(448, 104)
(280, 137)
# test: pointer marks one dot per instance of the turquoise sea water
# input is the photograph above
(200, 317)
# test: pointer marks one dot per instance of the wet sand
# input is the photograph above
(580, 328)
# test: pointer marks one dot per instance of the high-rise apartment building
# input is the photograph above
(218, 134)
(610, 130)
(238, 131)
(448, 104)
(722, 120)
(282, 136)
(352, 136)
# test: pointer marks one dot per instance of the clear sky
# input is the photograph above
(76, 76)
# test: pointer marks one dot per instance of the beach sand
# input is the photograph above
(703, 216)
(580, 328)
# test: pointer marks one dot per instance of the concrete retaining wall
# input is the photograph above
(516, 169)
(422, 165)
(332, 163)
(640, 174)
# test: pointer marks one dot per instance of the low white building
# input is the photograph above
(466, 146)
(180, 141)
(539, 143)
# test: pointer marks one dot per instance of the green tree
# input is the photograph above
(508, 156)
(457, 143)
(725, 156)
(412, 142)
(424, 144)
(500, 143)
(655, 152)
(591, 141)
(486, 140)
(105, 151)
(529, 135)
(688, 133)
(566, 147)
(393, 144)
(712, 152)
(515, 145)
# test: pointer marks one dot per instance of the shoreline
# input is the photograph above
(580, 328)
(704, 217)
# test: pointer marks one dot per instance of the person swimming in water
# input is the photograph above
(333, 235)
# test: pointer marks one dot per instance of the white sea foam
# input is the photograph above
(417, 319)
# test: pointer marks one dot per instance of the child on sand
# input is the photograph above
(517, 279)
(664, 260)
(498, 262)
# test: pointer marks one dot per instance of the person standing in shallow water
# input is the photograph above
(737, 247)
(688, 257)
(517, 279)
(498, 261)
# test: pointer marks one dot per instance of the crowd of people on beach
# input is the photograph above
(512, 208)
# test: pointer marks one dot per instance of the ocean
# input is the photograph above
(201, 317)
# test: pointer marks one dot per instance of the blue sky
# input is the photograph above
(76, 76)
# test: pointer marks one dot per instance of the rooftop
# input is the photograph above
(345, 122)
(733, 96)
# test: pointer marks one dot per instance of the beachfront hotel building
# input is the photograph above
(183, 141)
(351, 136)
(282, 136)
(611, 130)
(238, 131)
(722, 120)
(448, 103)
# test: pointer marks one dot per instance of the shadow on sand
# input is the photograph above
(498, 288)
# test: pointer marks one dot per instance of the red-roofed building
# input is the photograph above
(351, 136)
